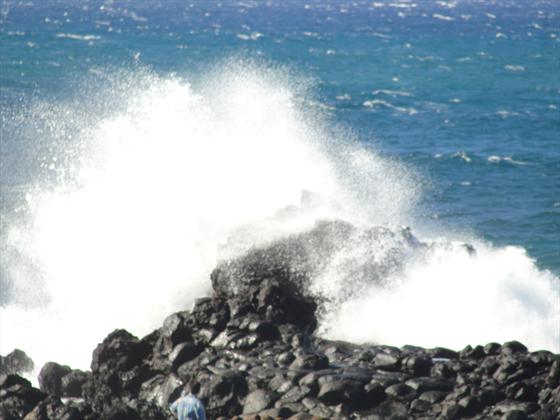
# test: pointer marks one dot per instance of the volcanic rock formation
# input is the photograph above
(252, 350)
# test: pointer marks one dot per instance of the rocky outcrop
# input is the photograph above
(251, 349)
(16, 362)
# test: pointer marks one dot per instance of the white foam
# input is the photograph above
(390, 92)
(254, 36)
(514, 68)
(507, 159)
(443, 17)
(78, 37)
(451, 297)
(463, 156)
(160, 172)
(144, 195)
(375, 103)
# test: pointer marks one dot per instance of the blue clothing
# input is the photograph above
(188, 408)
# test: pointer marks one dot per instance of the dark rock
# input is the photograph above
(418, 365)
(387, 361)
(443, 353)
(71, 384)
(183, 353)
(471, 405)
(492, 348)
(207, 319)
(10, 380)
(472, 353)
(161, 390)
(514, 415)
(50, 378)
(222, 394)
(554, 373)
(120, 411)
(513, 347)
(258, 401)
(16, 362)
(453, 411)
(274, 413)
(432, 397)
(174, 331)
(335, 389)
(392, 409)
(420, 406)
(490, 395)
(52, 408)
(310, 361)
(424, 384)
(120, 351)
(401, 392)
(443, 370)
(295, 394)
(17, 396)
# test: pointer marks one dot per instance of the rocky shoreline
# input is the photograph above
(251, 348)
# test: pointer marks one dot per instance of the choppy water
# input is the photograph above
(137, 136)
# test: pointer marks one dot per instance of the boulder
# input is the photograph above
(16, 362)
(50, 378)
(258, 401)
(17, 396)
(71, 384)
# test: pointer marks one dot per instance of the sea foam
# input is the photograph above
(163, 170)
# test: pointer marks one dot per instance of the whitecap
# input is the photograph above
(448, 5)
(379, 35)
(374, 103)
(514, 68)
(78, 37)
(390, 92)
(442, 17)
(250, 37)
(507, 159)
(402, 5)
(506, 114)
(462, 155)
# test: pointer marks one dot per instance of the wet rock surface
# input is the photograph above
(251, 349)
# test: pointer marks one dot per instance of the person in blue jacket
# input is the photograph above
(188, 407)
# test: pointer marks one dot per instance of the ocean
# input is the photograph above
(142, 140)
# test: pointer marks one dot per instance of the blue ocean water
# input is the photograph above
(464, 94)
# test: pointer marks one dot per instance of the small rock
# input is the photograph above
(258, 401)
(385, 361)
(71, 384)
(401, 392)
(513, 347)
